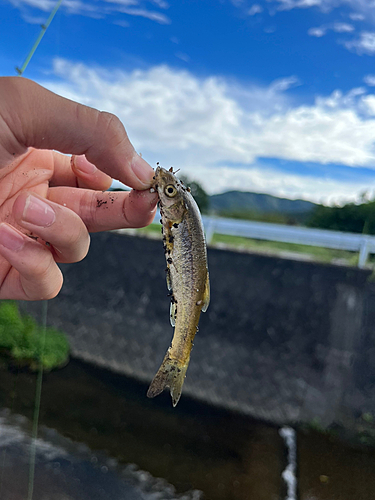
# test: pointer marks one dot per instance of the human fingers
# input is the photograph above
(31, 116)
(33, 274)
(109, 210)
(63, 229)
(77, 171)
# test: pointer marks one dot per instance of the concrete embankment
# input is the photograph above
(282, 340)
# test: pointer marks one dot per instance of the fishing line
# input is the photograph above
(38, 395)
(39, 382)
(44, 27)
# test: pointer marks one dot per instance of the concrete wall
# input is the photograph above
(282, 340)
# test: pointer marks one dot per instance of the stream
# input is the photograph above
(101, 438)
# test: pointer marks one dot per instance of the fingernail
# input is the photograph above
(142, 170)
(10, 238)
(38, 212)
(80, 163)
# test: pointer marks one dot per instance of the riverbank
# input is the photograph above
(283, 341)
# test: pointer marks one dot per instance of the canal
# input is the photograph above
(101, 438)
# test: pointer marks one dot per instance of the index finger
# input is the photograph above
(30, 115)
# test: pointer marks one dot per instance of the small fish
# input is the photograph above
(187, 278)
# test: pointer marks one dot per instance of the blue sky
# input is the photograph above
(272, 96)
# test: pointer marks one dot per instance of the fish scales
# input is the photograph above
(187, 278)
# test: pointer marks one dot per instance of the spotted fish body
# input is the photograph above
(187, 278)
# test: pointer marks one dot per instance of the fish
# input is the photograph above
(187, 277)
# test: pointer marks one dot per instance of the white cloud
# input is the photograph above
(365, 44)
(152, 15)
(299, 4)
(71, 6)
(282, 84)
(100, 8)
(161, 3)
(369, 80)
(30, 19)
(362, 9)
(337, 27)
(199, 123)
(124, 3)
(318, 32)
(263, 179)
(255, 9)
(45, 5)
(184, 57)
(354, 16)
(267, 179)
(342, 28)
(369, 102)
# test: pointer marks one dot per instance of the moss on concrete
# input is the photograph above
(24, 343)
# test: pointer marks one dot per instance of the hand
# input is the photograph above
(49, 201)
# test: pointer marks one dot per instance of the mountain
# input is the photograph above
(256, 206)
(239, 201)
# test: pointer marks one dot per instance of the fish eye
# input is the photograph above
(170, 191)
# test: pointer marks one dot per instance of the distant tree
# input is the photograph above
(199, 194)
(277, 218)
(351, 217)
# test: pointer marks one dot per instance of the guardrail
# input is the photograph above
(353, 242)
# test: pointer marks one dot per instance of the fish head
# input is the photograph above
(171, 193)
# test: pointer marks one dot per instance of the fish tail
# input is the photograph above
(170, 374)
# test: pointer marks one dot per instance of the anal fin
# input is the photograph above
(206, 294)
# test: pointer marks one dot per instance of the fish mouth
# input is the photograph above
(161, 175)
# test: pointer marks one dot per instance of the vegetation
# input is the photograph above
(199, 194)
(273, 247)
(273, 217)
(355, 218)
(252, 205)
(26, 343)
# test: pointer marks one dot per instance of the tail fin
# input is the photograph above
(171, 374)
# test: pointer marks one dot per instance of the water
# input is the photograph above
(65, 470)
(289, 474)
(192, 446)
(95, 423)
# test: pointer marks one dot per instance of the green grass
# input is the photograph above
(152, 228)
(24, 342)
(316, 253)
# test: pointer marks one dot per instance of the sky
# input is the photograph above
(274, 96)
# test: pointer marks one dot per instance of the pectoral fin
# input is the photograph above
(206, 295)
(173, 312)
(168, 277)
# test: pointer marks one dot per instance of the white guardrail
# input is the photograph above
(361, 243)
